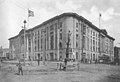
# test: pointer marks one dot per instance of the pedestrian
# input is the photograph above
(20, 70)
(65, 64)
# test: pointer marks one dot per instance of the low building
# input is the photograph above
(117, 55)
(4, 53)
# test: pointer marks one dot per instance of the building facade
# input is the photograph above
(117, 55)
(48, 40)
(4, 53)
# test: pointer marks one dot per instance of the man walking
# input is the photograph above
(20, 68)
(65, 64)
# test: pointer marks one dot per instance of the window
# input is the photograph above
(96, 43)
(29, 49)
(61, 36)
(51, 28)
(35, 48)
(93, 42)
(88, 30)
(52, 42)
(96, 49)
(60, 45)
(96, 35)
(35, 42)
(93, 48)
(60, 24)
(45, 30)
(38, 32)
(93, 33)
(51, 33)
(76, 25)
(45, 43)
(84, 29)
(76, 36)
(83, 42)
(38, 45)
(55, 25)
(76, 44)
(41, 43)
(60, 30)
(93, 57)
(76, 30)
(88, 43)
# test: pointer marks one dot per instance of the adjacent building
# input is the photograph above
(48, 40)
(4, 53)
(117, 55)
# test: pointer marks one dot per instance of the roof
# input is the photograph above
(22, 31)
(63, 15)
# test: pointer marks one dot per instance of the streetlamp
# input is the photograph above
(24, 40)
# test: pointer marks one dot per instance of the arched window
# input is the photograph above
(60, 45)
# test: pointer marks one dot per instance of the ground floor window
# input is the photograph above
(93, 57)
(77, 55)
(51, 56)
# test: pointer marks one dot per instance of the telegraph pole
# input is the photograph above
(24, 39)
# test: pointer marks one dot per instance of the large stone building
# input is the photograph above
(48, 40)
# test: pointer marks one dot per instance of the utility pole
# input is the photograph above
(99, 34)
(24, 40)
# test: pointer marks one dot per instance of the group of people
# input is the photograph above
(62, 66)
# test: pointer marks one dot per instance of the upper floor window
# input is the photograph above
(60, 24)
(60, 45)
(51, 33)
(51, 28)
(76, 30)
(88, 30)
(96, 35)
(55, 25)
(61, 36)
(84, 29)
(93, 33)
(60, 30)
(76, 36)
(45, 30)
(41, 43)
(76, 25)
(52, 42)
(42, 31)
(76, 44)
(38, 32)
(93, 42)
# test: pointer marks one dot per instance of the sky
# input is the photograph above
(14, 12)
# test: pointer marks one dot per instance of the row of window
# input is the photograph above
(85, 28)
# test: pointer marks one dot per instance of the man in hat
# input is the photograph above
(20, 68)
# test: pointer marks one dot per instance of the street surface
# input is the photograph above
(50, 73)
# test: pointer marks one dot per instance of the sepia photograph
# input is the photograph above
(59, 40)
